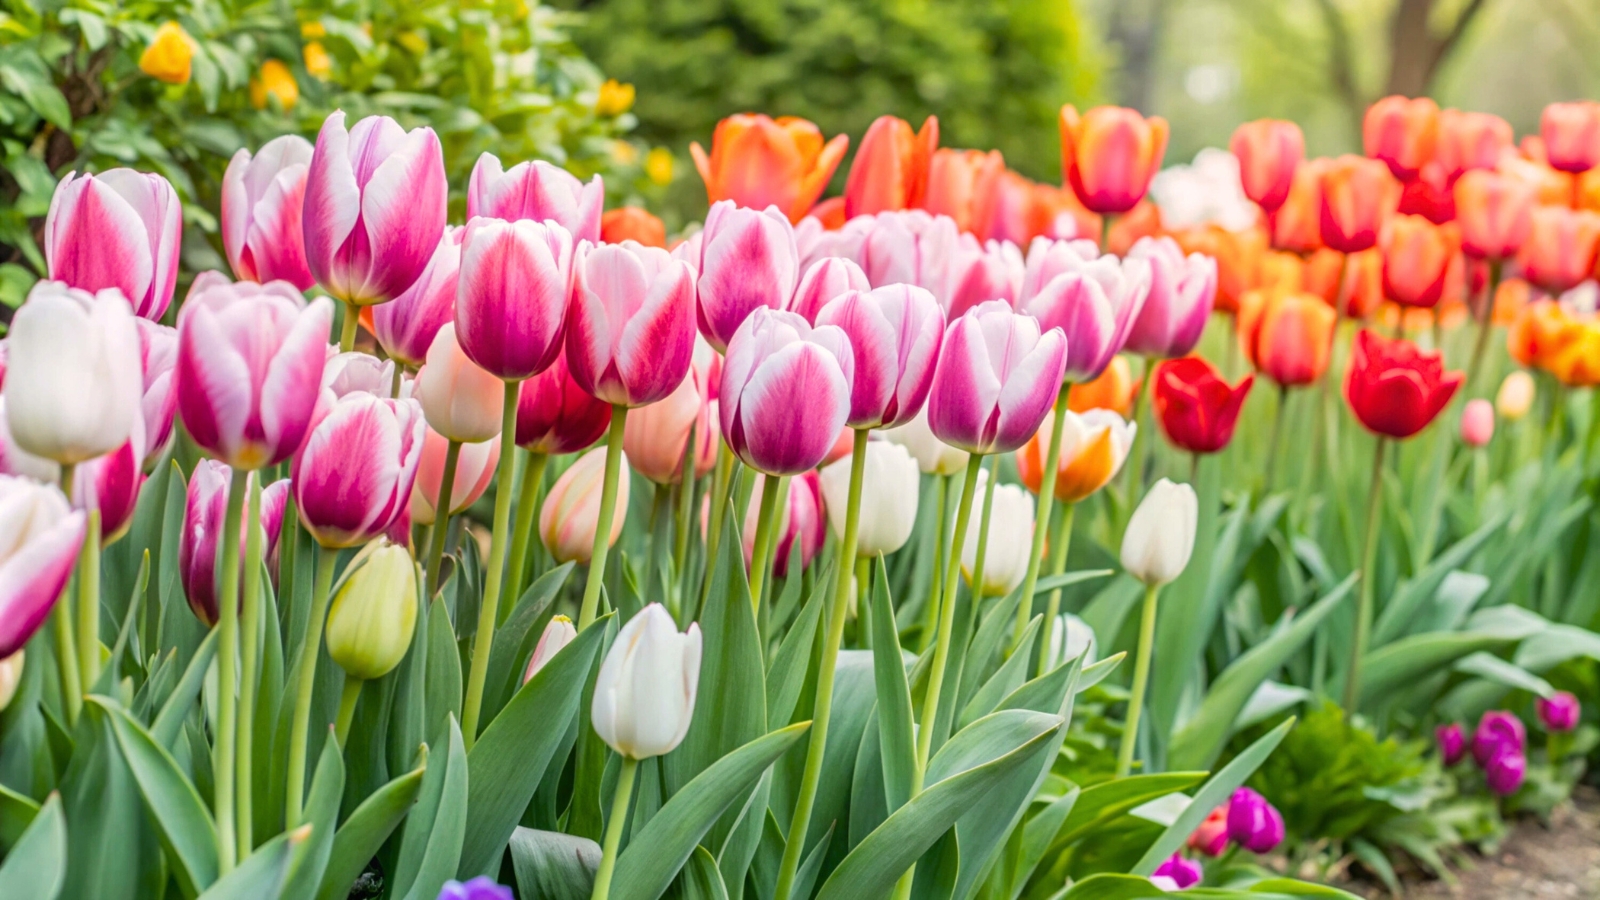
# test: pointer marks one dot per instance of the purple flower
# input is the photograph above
(1559, 712)
(1497, 731)
(480, 888)
(1183, 873)
(1505, 772)
(1452, 742)
(1253, 823)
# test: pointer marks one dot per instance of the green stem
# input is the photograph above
(347, 708)
(984, 516)
(947, 615)
(721, 486)
(1106, 221)
(758, 556)
(1485, 326)
(1049, 466)
(1369, 557)
(249, 631)
(67, 661)
(864, 600)
(347, 335)
(619, 818)
(1133, 467)
(822, 713)
(522, 530)
(89, 603)
(488, 610)
(227, 667)
(395, 380)
(1141, 680)
(684, 498)
(930, 608)
(288, 538)
(1058, 564)
(305, 682)
(1272, 443)
(608, 509)
(441, 515)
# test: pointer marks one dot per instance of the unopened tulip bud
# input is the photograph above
(557, 634)
(571, 512)
(475, 468)
(1477, 423)
(1160, 536)
(889, 488)
(1211, 838)
(1072, 638)
(1571, 133)
(460, 400)
(1452, 743)
(10, 677)
(1005, 561)
(373, 615)
(1253, 823)
(1515, 397)
(645, 692)
(1559, 712)
(1268, 151)
(1181, 873)
(40, 536)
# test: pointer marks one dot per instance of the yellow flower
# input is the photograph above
(313, 30)
(169, 55)
(317, 60)
(658, 165)
(275, 80)
(413, 41)
(624, 153)
(615, 99)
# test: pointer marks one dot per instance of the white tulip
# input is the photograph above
(16, 461)
(1005, 558)
(1071, 637)
(933, 455)
(889, 488)
(74, 380)
(10, 677)
(1160, 536)
(644, 695)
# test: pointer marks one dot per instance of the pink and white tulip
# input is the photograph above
(909, 247)
(158, 353)
(117, 229)
(249, 371)
(816, 242)
(748, 259)
(460, 400)
(405, 326)
(263, 198)
(806, 523)
(375, 207)
(354, 474)
(558, 633)
(1182, 291)
(539, 192)
(1048, 258)
(786, 390)
(824, 280)
(630, 328)
(979, 272)
(1095, 304)
(512, 298)
(475, 467)
(571, 512)
(555, 415)
(205, 507)
(996, 379)
(894, 335)
(358, 373)
(40, 536)
(111, 484)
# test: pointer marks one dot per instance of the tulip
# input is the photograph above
(631, 223)
(460, 400)
(979, 272)
(1183, 873)
(512, 296)
(1498, 732)
(205, 505)
(1196, 407)
(996, 378)
(1110, 154)
(758, 162)
(1114, 389)
(963, 184)
(1571, 133)
(481, 888)
(10, 677)
(1452, 743)
(825, 279)
(359, 373)
(390, 184)
(1096, 304)
(933, 456)
(1211, 838)
(1160, 535)
(16, 461)
(748, 258)
(1253, 823)
(1515, 397)
(1505, 772)
(1394, 388)
(1559, 712)
(40, 537)
(1477, 423)
(1010, 536)
(890, 170)
(1402, 132)
(73, 381)
(536, 191)
(909, 247)
(406, 326)
(655, 437)
(1071, 638)
(263, 198)
(1355, 193)
(1470, 140)
(111, 484)
(475, 468)
(1182, 292)
(158, 352)
(570, 517)
(1494, 213)
(785, 392)
(116, 229)
(374, 613)
(1296, 226)
(556, 416)
(1358, 277)
(1094, 446)
(1269, 151)
(630, 325)
(1416, 259)
(893, 333)
(805, 524)
(1560, 250)
(558, 633)
(1428, 195)
(645, 692)
(889, 489)
(170, 54)
(1287, 337)
(250, 362)
(356, 471)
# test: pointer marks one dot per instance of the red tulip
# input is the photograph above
(890, 170)
(1394, 388)
(1269, 151)
(1429, 195)
(1402, 132)
(1354, 199)
(1197, 409)
(1109, 154)
(555, 415)
(1416, 260)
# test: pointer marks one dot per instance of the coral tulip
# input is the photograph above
(758, 162)
(1452, 742)
(1470, 140)
(1394, 388)
(1416, 260)
(893, 333)
(1560, 250)
(461, 401)
(1005, 561)
(355, 473)
(1297, 224)
(630, 223)
(1355, 199)
(748, 258)
(1477, 423)
(933, 456)
(1494, 212)
(1269, 151)
(1110, 154)
(1286, 335)
(785, 391)
(1160, 536)
(40, 536)
(889, 489)
(1402, 132)
(263, 198)
(644, 695)
(511, 300)
(1428, 195)
(996, 379)
(1114, 389)
(890, 170)
(964, 185)
(1096, 304)
(571, 511)
(371, 619)
(630, 325)
(825, 279)
(1094, 446)
(1182, 292)
(536, 191)
(655, 437)
(555, 415)
(475, 468)
(116, 229)
(1211, 838)
(1559, 712)
(205, 505)
(406, 326)
(1571, 133)
(1196, 407)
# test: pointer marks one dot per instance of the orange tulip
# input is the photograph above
(1560, 249)
(1269, 150)
(1239, 256)
(1356, 194)
(1114, 389)
(1571, 133)
(1494, 212)
(1550, 336)
(1577, 362)
(1144, 220)
(1510, 299)
(963, 184)
(1109, 154)
(1285, 272)
(1297, 225)
(1416, 260)
(1363, 280)
(1550, 188)
(630, 223)
(1286, 336)
(1053, 206)
(758, 162)
(1402, 132)
(1470, 140)
(1537, 332)
(890, 170)
(1093, 447)
(830, 213)
(1586, 192)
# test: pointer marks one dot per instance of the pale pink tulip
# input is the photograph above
(571, 512)
(785, 391)
(158, 352)
(40, 537)
(656, 436)
(894, 335)
(474, 470)
(358, 373)
(512, 298)
(537, 191)
(824, 280)
(630, 327)
(461, 401)
(263, 197)
(555, 415)
(996, 379)
(205, 506)
(1095, 304)
(1182, 291)
(748, 259)
(558, 633)
(355, 472)
(116, 229)
(406, 325)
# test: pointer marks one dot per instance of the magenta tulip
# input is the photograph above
(894, 335)
(111, 484)
(817, 242)
(807, 524)
(1505, 771)
(980, 272)
(356, 470)
(630, 327)
(263, 197)
(785, 391)
(204, 508)
(515, 280)
(116, 229)
(374, 207)
(555, 415)
(748, 259)
(824, 280)
(1182, 873)
(158, 352)
(406, 325)
(1498, 732)
(1452, 743)
(1095, 304)
(1559, 712)
(537, 191)
(40, 536)
(249, 370)
(1182, 291)
(1253, 823)
(996, 378)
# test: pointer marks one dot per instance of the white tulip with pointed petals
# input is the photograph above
(644, 696)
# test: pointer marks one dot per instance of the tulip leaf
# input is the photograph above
(700, 878)
(1036, 835)
(36, 867)
(180, 702)
(660, 849)
(322, 813)
(1401, 608)
(512, 639)
(553, 866)
(787, 676)
(100, 799)
(430, 848)
(1101, 803)
(261, 875)
(365, 831)
(442, 695)
(1190, 606)
(896, 728)
(16, 814)
(1402, 662)
(993, 631)
(1010, 676)
(509, 759)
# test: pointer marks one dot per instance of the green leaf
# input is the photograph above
(511, 639)
(553, 866)
(443, 687)
(16, 814)
(32, 83)
(700, 879)
(365, 831)
(100, 798)
(1406, 661)
(1010, 676)
(1039, 831)
(261, 875)
(322, 813)
(1190, 609)
(787, 676)
(897, 746)
(1493, 668)
(169, 722)
(1403, 605)
(36, 867)
(1101, 803)
(430, 850)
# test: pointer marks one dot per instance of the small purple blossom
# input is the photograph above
(1559, 712)
(1498, 731)
(1452, 742)
(1183, 873)
(480, 888)
(1253, 823)
(1505, 772)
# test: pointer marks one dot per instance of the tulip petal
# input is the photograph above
(98, 240)
(32, 579)
(792, 408)
(293, 380)
(403, 209)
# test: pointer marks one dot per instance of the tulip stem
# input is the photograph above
(88, 630)
(984, 515)
(1106, 221)
(305, 682)
(522, 532)
(721, 486)
(1485, 326)
(1133, 467)
(250, 626)
(822, 712)
(608, 510)
(347, 334)
(930, 612)
(1058, 564)
(763, 539)
(1141, 680)
(1273, 442)
(947, 616)
(441, 516)
(489, 609)
(1369, 558)
(619, 817)
(67, 662)
(684, 498)
(227, 667)
(1048, 469)
(347, 708)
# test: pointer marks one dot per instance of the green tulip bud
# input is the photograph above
(374, 613)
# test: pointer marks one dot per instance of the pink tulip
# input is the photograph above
(249, 370)
(515, 279)
(537, 191)
(374, 207)
(204, 509)
(1182, 291)
(117, 229)
(555, 415)
(558, 633)
(785, 391)
(824, 280)
(996, 379)
(355, 472)
(804, 521)
(3, 358)
(909, 247)
(630, 327)
(1095, 304)
(158, 352)
(358, 373)
(111, 484)
(1571, 133)
(1477, 422)
(474, 470)
(656, 436)
(263, 197)
(748, 259)
(40, 537)
(1048, 258)
(460, 400)
(978, 272)
(571, 512)
(894, 335)
(406, 325)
